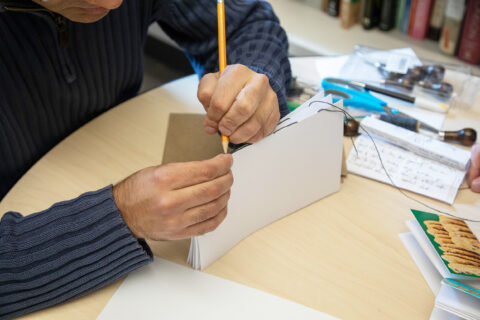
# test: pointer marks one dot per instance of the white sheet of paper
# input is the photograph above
(165, 290)
(458, 302)
(426, 267)
(407, 170)
(312, 70)
(424, 146)
(284, 172)
(361, 66)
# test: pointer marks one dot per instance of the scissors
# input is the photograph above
(358, 97)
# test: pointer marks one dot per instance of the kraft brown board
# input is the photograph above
(187, 141)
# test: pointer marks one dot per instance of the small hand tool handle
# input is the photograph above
(466, 137)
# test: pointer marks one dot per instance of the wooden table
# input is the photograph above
(341, 255)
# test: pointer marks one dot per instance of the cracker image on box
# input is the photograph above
(454, 241)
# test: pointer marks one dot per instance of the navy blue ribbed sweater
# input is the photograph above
(56, 75)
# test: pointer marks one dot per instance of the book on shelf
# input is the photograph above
(451, 29)
(436, 19)
(420, 19)
(469, 48)
(324, 5)
(413, 9)
(406, 16)
(387, 15)
(333, 8)
(400, 11)
(371, 14)
(447, 252)
(349, 13)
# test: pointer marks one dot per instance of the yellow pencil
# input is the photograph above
(222, 52)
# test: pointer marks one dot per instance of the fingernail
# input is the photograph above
(225, 131)
(227, 155)
(210, 130)
(476, 185)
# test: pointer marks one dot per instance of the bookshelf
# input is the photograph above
(312, 31)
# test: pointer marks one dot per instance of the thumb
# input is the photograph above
(475, 185)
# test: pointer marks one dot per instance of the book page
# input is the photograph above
(428, 248)
(406, 169)
(426, 267)
(419, 144)
(440, 314)
(165, 290)
(458, 303)
(471, 287)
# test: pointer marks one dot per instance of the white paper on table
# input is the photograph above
(165, 290)
(426, 267)
(406, 169)
(361, 66)
(458, 302)
(312, 70)
(284, 172)
(419, 144)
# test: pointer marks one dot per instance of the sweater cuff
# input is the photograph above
(73, 248)
(279, 89)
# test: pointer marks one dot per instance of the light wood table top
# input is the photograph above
(341, 255)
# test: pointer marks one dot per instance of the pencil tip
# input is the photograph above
(225, 146)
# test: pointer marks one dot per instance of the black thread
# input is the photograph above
(348, 116)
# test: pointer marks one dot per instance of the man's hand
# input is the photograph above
(177, 200)
(474, 170)
(240, 103)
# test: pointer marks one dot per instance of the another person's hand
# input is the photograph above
(177, 200)
(473, 177)
(240, 104)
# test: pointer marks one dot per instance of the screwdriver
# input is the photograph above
(419, 101)
(465, 137)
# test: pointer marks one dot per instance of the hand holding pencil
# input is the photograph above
(240, 103)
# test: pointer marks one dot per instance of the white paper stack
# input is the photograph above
(413, 162)
(458, 303)
(295, 166)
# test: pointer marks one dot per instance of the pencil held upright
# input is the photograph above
(222, 52)
(222, 41)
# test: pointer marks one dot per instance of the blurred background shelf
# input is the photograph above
(310, 32)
